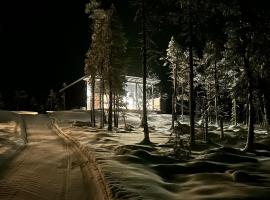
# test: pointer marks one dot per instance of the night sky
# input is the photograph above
(42, 43)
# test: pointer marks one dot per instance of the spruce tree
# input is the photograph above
(176, 59)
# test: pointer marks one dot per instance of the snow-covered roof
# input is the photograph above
(73, 83)
(134, 79)
(130, 79)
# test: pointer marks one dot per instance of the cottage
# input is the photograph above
(132, 97)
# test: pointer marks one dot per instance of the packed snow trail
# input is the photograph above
(49, 168)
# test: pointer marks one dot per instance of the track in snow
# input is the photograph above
(49, 168)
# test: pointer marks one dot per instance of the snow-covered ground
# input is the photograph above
(12, 135)
(49, 167)
(135, 171)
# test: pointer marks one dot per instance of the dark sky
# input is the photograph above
(42, 43)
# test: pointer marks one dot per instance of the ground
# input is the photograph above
(121, 167)
(46, 166)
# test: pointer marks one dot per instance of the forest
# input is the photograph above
(217, 61)
(210, 138)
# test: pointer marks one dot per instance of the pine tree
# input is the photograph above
(213, 61)
(192, 22)
(241, 42)
(98, 56)
(118, 62)
(177, 61)
(144, 66)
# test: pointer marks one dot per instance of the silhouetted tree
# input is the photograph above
(98, 55)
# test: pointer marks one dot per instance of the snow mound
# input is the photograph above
(135, 171)
(12, 135)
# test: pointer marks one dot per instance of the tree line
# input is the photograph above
(218, 49)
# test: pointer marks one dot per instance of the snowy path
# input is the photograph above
(48, 168)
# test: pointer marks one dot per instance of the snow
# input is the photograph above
(11, 137)
(135, 171)
(49, 167)
(129, 169)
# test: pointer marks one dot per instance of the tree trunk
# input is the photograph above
(267, 105)
(221, 128)
(234, 117)
(117, 111)
(174, 97)
(101, 103)
(110, 103)
(173, 110)
(191, 82)
(144, 118)
(251, 111)
(207, 110)
(93, 120)
(219, 114)
(209, 96)
(265, 117)
(234, 111)
(191, 99)
(206, 135)
(264, 102)
(251, 120)
(115, 117)
(216, 111)
(182, 102)
(216, 93)
(246, 111)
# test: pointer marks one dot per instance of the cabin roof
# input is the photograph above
(134, 79)
(130, 79)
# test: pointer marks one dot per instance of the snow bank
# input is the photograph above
(12, 135)
(135, 171)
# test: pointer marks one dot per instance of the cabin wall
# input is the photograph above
(132, 98)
